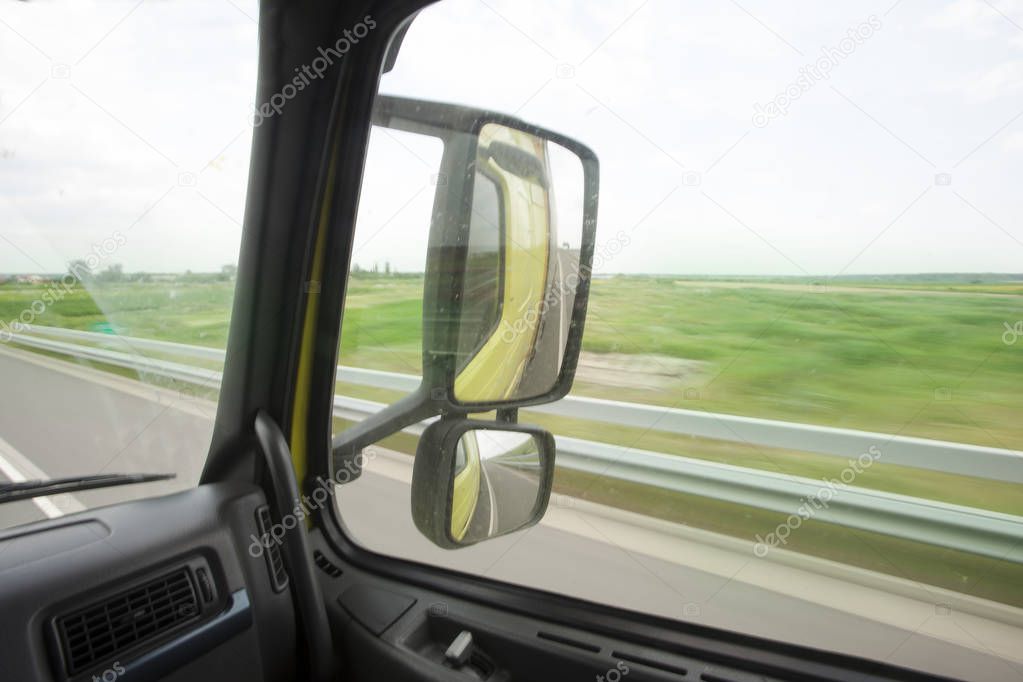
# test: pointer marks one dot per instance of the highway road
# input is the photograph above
(60, 419)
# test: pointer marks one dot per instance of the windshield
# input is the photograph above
(124, 154)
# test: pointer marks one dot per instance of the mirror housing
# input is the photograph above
(523, 348)
(478, 480)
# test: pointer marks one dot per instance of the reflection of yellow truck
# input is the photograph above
(466, 489)
(527, 234)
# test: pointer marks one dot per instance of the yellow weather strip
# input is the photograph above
(300, 411)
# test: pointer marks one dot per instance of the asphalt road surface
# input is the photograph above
(60, 419)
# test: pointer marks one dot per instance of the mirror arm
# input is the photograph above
(348, 444)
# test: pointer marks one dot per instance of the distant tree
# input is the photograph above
(79, 269)
(387, 268)
(113, 273)
(356, 269)
(228, 272)
(376, 268)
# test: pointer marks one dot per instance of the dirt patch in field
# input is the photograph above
(645, 371)
(828, 288)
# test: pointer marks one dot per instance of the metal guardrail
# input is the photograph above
(954, 458)
(986, 533)
(977, 531)
(142, 364)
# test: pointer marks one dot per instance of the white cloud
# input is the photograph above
(977, 19)
(1013, 142)
(1004, 80)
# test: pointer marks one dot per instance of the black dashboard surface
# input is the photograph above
(55, 571)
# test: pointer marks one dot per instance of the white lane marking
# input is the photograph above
(493, 500)
(18, 468)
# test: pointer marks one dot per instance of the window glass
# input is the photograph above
(124, 152)
(798, 395)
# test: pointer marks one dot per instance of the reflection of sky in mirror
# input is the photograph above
(567, 181)
(494, 443)
(117, 117)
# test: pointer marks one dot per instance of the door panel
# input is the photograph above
(399, 627)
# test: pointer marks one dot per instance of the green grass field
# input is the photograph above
(926, 365)
(914, 356)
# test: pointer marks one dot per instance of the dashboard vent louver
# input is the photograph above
(650, 662)
(272, 549)
(567, 641)
(104, 629)
(326, 565)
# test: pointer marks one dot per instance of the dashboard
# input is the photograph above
(166, 587)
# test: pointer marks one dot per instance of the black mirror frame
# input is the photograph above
(433, 476)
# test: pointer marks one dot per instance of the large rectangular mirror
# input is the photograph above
(522, 267)
(511, 246)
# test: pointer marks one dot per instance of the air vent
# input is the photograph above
(650, 663)
(326, 565)
(585, 646)
(103, 630)
(272, 550)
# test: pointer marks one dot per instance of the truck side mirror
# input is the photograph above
(507, 276)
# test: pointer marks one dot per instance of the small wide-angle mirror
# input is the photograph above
(522, 268)
(492, 479)
(497, 481)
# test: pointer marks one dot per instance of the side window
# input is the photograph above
(123, 167)
(799, 375)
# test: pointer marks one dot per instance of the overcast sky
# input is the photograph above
(132, 117)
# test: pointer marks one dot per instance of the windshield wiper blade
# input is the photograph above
(26, 490)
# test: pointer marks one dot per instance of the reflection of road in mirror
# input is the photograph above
(509, 484)
(524, 256)
(512, 494)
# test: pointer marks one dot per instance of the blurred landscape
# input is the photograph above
(916, 355)
(920, 355)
